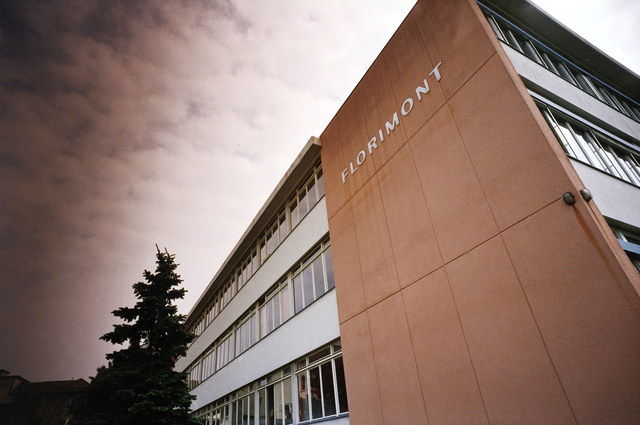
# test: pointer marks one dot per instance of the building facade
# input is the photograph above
(460, 245)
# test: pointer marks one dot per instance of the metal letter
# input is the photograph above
(372, 144)
(424, 90)
(390, 126)
(405, 113)
(437, 72)
(345, 173)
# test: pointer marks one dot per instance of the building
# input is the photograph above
(37, 403)
(460, 245)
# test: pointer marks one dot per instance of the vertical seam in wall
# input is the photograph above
(375, 364)
(355, 237)
(395, 101)
(433, 227)
(415, 362)
(475, 171)
(366, 308)
(524, 293)
(386, 221)
(424, 406)
(466, 343)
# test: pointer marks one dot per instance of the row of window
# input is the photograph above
(307, 281)
(594, 148)
(316, 390)
(295, 209)
(535, 51)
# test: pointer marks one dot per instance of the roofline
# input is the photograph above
(304, 161)
(564, 41)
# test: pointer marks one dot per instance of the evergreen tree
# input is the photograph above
(139, 385)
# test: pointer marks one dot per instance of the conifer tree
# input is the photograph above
(139, 385)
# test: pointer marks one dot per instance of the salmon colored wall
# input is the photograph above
(468, 291)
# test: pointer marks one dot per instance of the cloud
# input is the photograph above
(126, 124)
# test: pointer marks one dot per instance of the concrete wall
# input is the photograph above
(467, 290)
(566, 94)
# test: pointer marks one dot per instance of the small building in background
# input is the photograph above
(37, 403)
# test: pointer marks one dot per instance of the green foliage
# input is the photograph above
(139, 385)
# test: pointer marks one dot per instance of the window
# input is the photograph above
(275, 405)
(276, 309)
(312, 278)
(321, 385)
(247, 333)
(224, 351)
(309, 279)
(594, 148)
(318, 383)
(304, 198)
(536, 51)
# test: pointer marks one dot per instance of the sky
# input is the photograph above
(130, 123)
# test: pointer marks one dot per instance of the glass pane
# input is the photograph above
(279, 410)
(270, 405)
(590, 149)
(511, 39)
(263, 252)
(276, 311)
(286, 305)
(247, 334)
(564, 72)
(262, 408)
(254, 329)
(308, 285)
(342, 387)
(495, 28)
(284, 228)
(270, 315)
(287, 401)
(233, 408)
(320, 184)
(549, 63)
(270, 243)
(294, 214)
(613, 166)
(328, 392)
(263, 321)
(567, 135)
(231, 350)
(320, 354)
(304, 207)
(225, 420)
(297, 293)
(303, 398)
(631, 168)
(251, 420)
(254, 261)
(239, 340)
(311, 191)
(318, 277)
(314, 389)
(328, 262)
